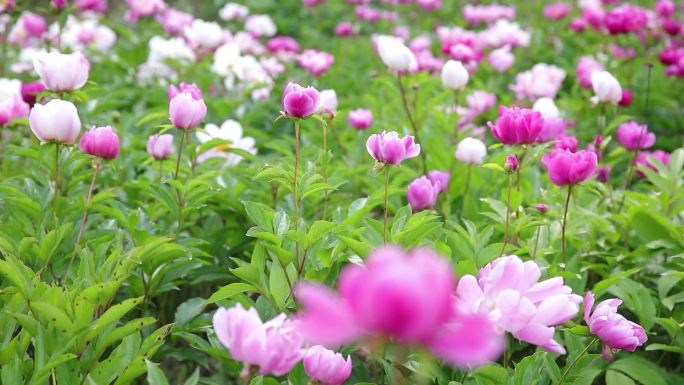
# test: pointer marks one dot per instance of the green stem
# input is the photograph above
(536, 242)
(412, 121)
(295, 189)
(325, 169)
(467, 187)
(84, 222)
(574, 362)
(180, 153)
(508, 216)
(386, 208)
(58, 183)
(565, 222)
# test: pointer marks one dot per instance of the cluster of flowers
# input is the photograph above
(413, 299)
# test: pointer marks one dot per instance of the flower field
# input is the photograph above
(329, 192)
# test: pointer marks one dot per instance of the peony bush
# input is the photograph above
(341, 192)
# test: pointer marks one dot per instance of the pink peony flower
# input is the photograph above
(300, 102)
(644, 160)
(557, 11)
(389, 148)
(326, 367)
(517, 126)
(102, 142)
(543, 80)
(316, 62)
(568, 168)
(614, 330)
(361, 119)
(508, 291)
(634, 136)
(422, 194)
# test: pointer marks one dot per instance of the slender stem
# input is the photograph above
(467, 186)
(295, 191)
(161, 170)
(337, 137)
(536, 243)
(180, 153)
(58, 183)
(86, 214)
(386, 208)
(565, 222)
(325, 169)
(574, 362)
(508, 216)
(412, 121)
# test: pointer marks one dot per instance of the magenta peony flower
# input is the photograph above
(184, 87)
(509, 292)
(613, 329)
(316, 62)
(300, 102)
(511, 164)
(517, 125)
(603, 174)
(389, 149)
(569, 143)
(568, 168)
(634, 136)
(326, 367)
(344, 29)
(102, 142)
(404, 296)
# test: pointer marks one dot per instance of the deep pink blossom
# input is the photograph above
(517, 126)
(570, 168)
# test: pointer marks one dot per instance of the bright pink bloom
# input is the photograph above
(671, 27)
(569, 143)
(390, 149)
(360, 119)
(99, 6)
(626, 19)
(344, 29)
(275, 347)
(477, 14)
(665, 8)
(440, 179)
(316, 62)
(404, 296)
(60, 4)
(187, 109)
(326, 367)
(144, 8)
(509, 292)
(511, 164)
(12, 108)
(634, 136)
(578, 25)
(30, 91)
(614, 330)
(300, 102)
(160, 147)
(603, 174)
(587, 65)
(422, 194)
(645, 160)
(570, 168)
(314, 3)
(34, 25)
(557, 11)
(283, 44)
(542, 208)
(517, 126)
(627, 98)
(102, 142)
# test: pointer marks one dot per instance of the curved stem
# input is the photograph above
(565, 222)
(412, 121)
(508, 216)
(574, 362)
(386, 194)
(84, 222)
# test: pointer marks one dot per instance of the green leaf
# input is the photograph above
(614, 377)
(640, 369)
(194, 378)
(188, 310)
(229, 291)
(155, 376)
